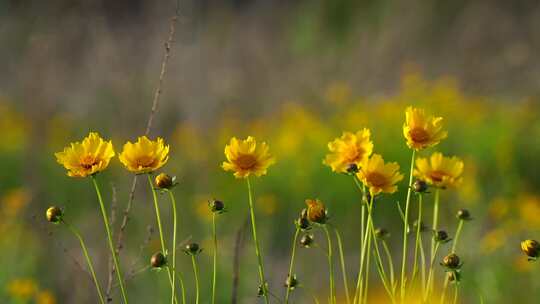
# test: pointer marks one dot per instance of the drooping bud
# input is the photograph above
(453, 276)
(54, 214)
(164, 181)
(420, 186)
(291, 282)
(352, 169)
(158, 260)
(531, 248)
(451, 261)
(192, 249)
(306, 240)
(441, 236)
(316, 211)
(463, 214)
(216, 206)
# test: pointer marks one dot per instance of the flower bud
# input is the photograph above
(531, 248)
(463, 214)
(216, 206)
(316, 212)
(453, 276)
(381, 233)
(261, 291)
(192, 249)
(441, 236)
(158, 260)
(306, 240)
(423, 227)
(291, 282)
(420, 186)
(164, 181)
(54, 214)
(451, 261)
(352, 169)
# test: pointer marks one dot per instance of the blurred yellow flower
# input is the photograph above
(89, 157)
(338, 93)
(529, 211)
(350, 148)
(244, 157)
(45, 297)
(422, 131)
(439, 171)
(14, 201)
(22, 289)
(378, 176)
(145, 155)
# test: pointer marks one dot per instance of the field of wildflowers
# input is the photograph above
(423, 193)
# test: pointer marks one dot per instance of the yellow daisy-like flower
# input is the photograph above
(350, 148)
(439, 171)
(245, 157)
(89, 157)
(378, 176)
(145, 155)
(422, 131)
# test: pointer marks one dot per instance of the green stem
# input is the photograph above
(343, 269)
(368, 258)
(456, 290)
(434, 243)
(257, 249)
(173, 202)
(214, 272)
(88, 260)
(182, 288)
(405, 226)
(454, 244)
(109, 237)
(196, 273)
(291, 264)
(390, 263)
(161, 238)
(363, 240)
(330, 265)
(430, 278)
(418, 242)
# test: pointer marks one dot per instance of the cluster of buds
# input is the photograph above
(531, 248)
(291, 282)
(192, 249)
(164, 181)
(420, 186)
(158, 260)
(441, 236)
(54, 214)
(216, 206)
(316, 211)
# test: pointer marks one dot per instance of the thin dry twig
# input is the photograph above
(238, 246)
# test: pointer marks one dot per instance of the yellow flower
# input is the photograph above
(45, 297)
(89, 157)
(422, 131)
(378, 176)
(316, 211)
(350, 148)
(440, 171)
(22, 288)
(145, 155)
(244, 157)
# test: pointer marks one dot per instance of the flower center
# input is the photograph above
(419, 135)
(88, 161)
(377, 179)
(246, 161)
(352, 154)
(437, 176)
(145, 161)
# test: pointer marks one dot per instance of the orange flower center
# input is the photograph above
(88, 161)
(376, 179)
(352, 154)
(145, 161)
(437, 176)
(419, 135)
(246, 161)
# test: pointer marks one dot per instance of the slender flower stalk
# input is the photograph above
(434, 243)
(330, 265)
(196, 274)
(418, 248)
(214, 268)
(160, 229)
(405, 226)
(109, 237)
(182, 287)
(173, 202)
(430, 278)
(390, 265)
(454, 244)
(291, 264)
(343, 268)
(256, 240)
(88, 260)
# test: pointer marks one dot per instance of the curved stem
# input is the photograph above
(430, 278)
(182, 288)
(405, 226)
(214, 271)
(368, 258)
(363, 240)
(160, 229)
(196, 273)
(109, 237)
(88, 260)
(330, 265)
(418, 242)
(257, 249)
(454, 244)
(343, 269)
(173, 202)
(434, 244)
(390, 264)
(291, 265)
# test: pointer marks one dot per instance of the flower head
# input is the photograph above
(145, 155)
(440, 171)
(316, 211)
(158, 260)
(54, 214)
(164, 181)
(378, 176)
(88, 157)
(451, 261)
(245, 157)
(349, 149)
(422, 131)
(531, 248)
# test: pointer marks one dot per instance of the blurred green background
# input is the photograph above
(292, 73)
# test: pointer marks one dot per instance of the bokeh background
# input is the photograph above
(293, 73)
